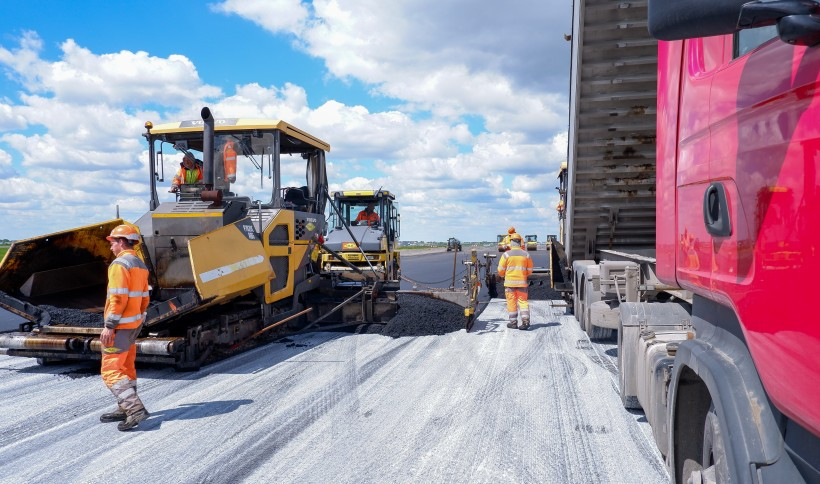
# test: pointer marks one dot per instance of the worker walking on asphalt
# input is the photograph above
(515, 266)
(125, 310)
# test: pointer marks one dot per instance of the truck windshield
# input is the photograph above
(358, 212)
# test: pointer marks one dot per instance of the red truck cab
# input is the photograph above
(738, 154)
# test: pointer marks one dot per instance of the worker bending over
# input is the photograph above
(125, 309)
(515, 266)
(189, 173)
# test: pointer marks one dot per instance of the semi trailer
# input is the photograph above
(689, 210)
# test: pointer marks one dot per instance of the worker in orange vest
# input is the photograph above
(125, 310)
(515, 266)
(368, 216)
(189, 173)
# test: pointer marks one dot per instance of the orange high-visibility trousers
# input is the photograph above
(517, 302)
(118, 361)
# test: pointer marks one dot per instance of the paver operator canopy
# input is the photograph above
(242, 148)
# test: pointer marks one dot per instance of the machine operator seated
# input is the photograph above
(189, 173)
(368, 216)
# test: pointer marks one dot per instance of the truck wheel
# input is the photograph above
(596, 332)
(492, 287)
(713, 466)
(628, 401)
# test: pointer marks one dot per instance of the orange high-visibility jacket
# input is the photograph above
(127, 298)
(371, 219)
(515, 266)
(188, 177)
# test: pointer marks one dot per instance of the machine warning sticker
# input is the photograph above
(231, 268)
(247, 229)
(349, 245)
(310, 226)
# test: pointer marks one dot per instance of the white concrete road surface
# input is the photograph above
(493, 405)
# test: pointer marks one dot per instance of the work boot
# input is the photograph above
(115, 416)
(133, 420)
(525, 324)
(512, 324)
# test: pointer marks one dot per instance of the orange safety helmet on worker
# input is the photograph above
(515, 266)
(189, 173)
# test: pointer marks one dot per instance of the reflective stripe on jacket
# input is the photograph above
(515, 266)
(127, 299)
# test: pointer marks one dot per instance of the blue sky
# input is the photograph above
(458, 107)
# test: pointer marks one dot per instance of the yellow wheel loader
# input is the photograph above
(225, 267)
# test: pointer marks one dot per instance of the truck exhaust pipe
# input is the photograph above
(208, 147)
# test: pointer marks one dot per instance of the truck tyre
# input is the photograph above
(628, 401)
(596, 332)
(578, 286)
(713, 466)
(590, 296)
(492, 287)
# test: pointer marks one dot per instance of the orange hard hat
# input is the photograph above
(125, 232)
(511, 230)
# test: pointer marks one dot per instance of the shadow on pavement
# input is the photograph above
(190, 411)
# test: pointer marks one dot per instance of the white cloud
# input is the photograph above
(6, 170)
(450, 58)
(124, 78)
(277, 16)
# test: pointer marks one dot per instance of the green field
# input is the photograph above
(3, 250)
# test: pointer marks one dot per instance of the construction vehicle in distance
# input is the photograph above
(531, 242)
(453, 244)
(372, 247)
(224, 267)
(690, 225)
(502, 242)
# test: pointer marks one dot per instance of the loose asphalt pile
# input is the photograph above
(422, 316)
(73, 317)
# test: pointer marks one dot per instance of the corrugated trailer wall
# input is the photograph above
(611, 156)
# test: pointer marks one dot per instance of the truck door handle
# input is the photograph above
(716, 211)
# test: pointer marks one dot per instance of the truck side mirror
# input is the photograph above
(686, 19)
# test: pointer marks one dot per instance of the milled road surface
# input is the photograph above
(493, 405)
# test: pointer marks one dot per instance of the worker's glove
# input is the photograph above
(173, 189)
